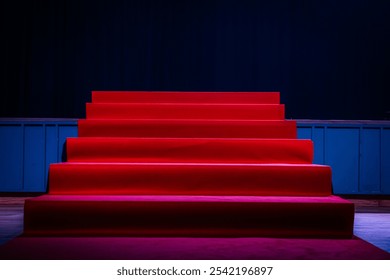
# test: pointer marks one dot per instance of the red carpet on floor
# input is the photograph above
(135, 248)
(194, 165)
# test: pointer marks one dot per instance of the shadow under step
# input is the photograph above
(213, 216)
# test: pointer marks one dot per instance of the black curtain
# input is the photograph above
(330, 59)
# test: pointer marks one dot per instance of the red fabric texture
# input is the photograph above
(185, 111)
(135, 248)
(55, 215)
(190, 179)
(185, 97)
(207, 150)
(188, 164)
(178, 128)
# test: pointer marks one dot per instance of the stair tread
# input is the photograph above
(238, 164)
(331, 199)
(189, 121)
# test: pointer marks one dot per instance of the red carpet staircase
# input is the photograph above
(215, 164)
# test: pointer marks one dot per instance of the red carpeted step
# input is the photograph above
(49, 215)
(188, 128)
(184, 111)
(190, 179)
(217, 150)
(184, 97)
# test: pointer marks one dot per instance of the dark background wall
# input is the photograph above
(330, 59)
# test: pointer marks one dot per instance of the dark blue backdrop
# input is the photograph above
(330, 59)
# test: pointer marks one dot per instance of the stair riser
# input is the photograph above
(188, 150)
(181, 179)
(183, 111)
(190, 97)
(206, 129)
(143, 218)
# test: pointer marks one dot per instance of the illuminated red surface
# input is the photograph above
(206, 150)
(179, 128)
(194, 165)
(185, 111)
(190, 179)
(186, 97)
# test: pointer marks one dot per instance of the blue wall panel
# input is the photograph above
(51, 151)
(34, 160)
(343, 156)
(11, 158)
(27, 148)
(385, 161)
(370, 161)
(304, 133)
(319, 145)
